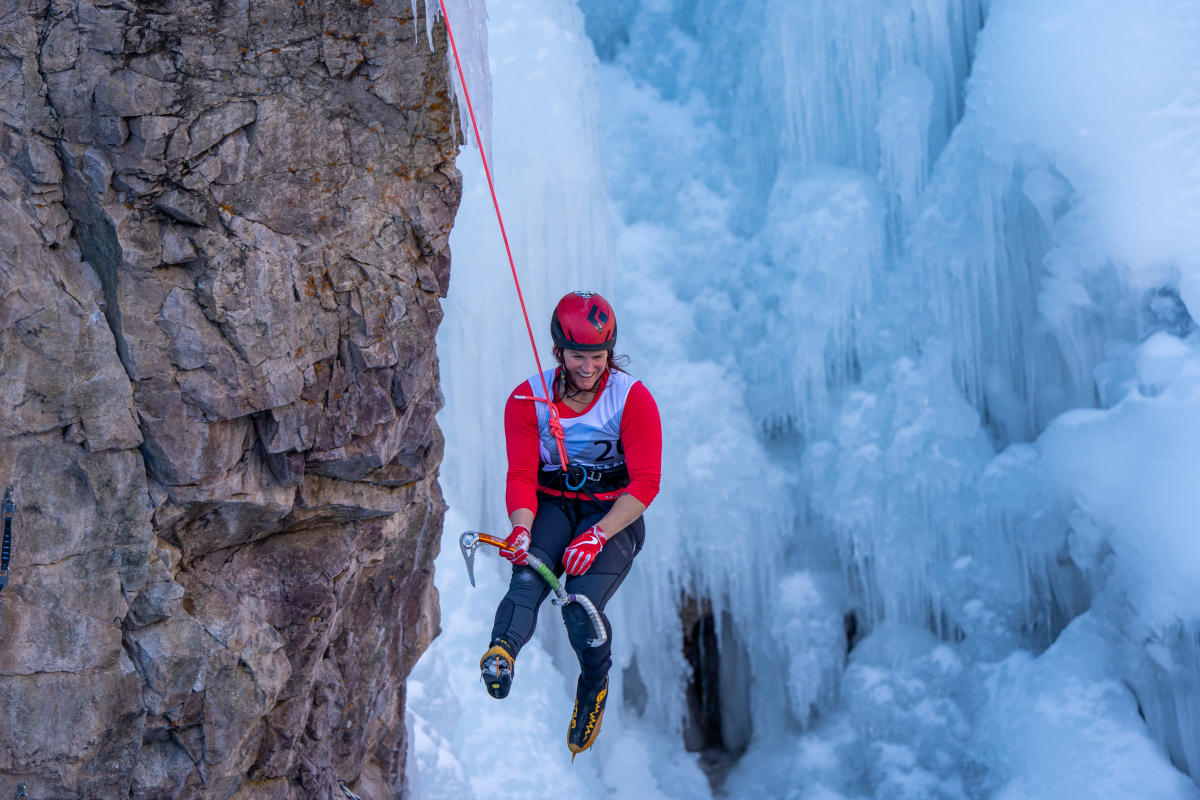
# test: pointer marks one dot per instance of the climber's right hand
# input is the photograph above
(516, 546)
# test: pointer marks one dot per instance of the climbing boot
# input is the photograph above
(496, 669)
(587, 716)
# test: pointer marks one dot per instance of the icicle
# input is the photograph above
(468, 19)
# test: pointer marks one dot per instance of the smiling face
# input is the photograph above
(584, 367)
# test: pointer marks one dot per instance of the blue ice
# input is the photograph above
(915, 284)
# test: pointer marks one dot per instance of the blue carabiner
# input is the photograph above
(582, 478)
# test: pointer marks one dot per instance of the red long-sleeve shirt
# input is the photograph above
(641, 439)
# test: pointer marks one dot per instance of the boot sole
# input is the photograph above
(497, 673)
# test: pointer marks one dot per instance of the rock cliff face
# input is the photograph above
(223, 237)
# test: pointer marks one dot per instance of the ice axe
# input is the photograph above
(470, 541)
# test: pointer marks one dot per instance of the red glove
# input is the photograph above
(518, 540)
(583, 549)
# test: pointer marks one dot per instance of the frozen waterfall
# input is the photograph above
(914, 283)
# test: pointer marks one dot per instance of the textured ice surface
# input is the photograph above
(915, 290)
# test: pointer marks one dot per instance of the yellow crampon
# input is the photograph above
(585, 722)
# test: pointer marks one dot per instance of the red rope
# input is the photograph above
(555, 425)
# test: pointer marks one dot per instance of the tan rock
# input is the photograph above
(223, 239)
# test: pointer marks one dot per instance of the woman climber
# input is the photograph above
(585, 519)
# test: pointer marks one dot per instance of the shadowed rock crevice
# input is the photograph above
(717, 723)
(98, 245)
(223, 240)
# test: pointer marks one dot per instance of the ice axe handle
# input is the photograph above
(600, 633)
(470, 541)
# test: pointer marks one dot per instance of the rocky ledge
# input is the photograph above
(223, 239)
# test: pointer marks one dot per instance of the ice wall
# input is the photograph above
(787, 294)
(1094, 111)
(913, 276)
(915, 290)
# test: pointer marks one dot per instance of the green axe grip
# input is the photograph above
(601, 635)
(545, 572)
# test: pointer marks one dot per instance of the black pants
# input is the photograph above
(558, 521)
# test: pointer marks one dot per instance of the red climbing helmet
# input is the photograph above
(584, 321)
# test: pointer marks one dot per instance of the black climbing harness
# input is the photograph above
(577, 480)
(10, 507)
(581, 478)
